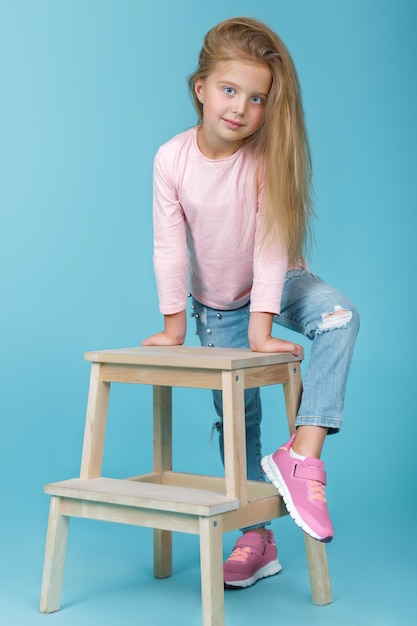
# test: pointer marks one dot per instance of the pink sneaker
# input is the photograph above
(301, 485)
(252, 558)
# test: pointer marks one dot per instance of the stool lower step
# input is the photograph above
(144, 495)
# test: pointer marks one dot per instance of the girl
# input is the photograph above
(231, 210)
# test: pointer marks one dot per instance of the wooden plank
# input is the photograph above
(256, 490)
(144, 495)
(264, 502)
(162, 429)
(252, 513)
(211, 565)
(173, 376)
(55, 550)
(95, 425)
(318, 571)
(188, 377)
(122, 514)
(266, 375)
(190, 356)
(152, 477)
(195, 481)
(256, 512)
(292, 394)
(234, 435)
(162, 553)
(162, 461)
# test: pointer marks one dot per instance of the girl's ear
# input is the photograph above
(199, 89)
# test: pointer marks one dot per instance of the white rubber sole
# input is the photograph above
(275, 476)
(270, 569)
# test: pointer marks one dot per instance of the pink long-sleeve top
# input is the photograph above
(207, 218)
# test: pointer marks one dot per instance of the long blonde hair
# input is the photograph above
(281, 139)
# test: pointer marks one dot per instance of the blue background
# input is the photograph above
(89, 90)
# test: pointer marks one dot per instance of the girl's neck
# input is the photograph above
(212, 150)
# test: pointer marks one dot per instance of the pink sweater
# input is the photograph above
(206, 231)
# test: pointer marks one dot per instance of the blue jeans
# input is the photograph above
(307, 306)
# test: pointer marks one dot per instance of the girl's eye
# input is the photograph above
(229, 91)
(257, 100)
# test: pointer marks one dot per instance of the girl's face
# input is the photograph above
(233, 99)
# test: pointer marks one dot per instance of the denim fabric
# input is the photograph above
(306, 307)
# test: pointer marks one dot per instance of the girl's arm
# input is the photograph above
(173, 334)
(170, 256)
(261, 340)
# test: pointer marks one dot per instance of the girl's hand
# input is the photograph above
(261, 340)
(175, 326)
(272, 344)
(161, 339)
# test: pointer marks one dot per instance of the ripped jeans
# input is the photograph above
(307, 306)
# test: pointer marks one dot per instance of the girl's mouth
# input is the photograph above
(232, 124)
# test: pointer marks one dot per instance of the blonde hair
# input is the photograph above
(281, 139)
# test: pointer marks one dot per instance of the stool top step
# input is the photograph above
(190, 357)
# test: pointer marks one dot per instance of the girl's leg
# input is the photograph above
(229, 329)
(330, 320)
(254, 555)
(327, 317)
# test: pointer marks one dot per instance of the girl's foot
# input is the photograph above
(253, 557)
(301, 484)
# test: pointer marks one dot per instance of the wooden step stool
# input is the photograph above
(170, 501)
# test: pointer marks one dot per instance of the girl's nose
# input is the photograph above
(238, 108)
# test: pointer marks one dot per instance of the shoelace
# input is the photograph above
(316, 491)
(240, 554)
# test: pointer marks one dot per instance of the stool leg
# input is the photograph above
(162, 461)
(292, 393)
(162, 429)
(211, 564)
(162, 553)
(95, 425)
(233, 386)
(316, 551)
(318, 570)
(55, 550)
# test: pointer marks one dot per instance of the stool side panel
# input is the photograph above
(133, 516)
(160, 375)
